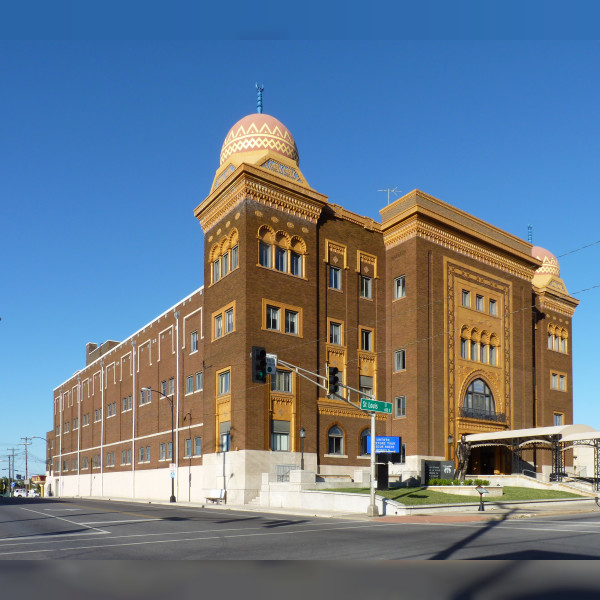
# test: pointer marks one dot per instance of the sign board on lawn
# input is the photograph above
(384, 444)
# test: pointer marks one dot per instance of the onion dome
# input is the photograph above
(550, 264)
(259, 132)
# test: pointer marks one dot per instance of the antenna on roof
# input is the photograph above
(530, 234)
(259, 91)
(390, 191)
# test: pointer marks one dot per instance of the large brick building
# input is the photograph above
(463, 327)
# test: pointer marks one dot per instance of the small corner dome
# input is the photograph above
(549, 261)
(259, 132)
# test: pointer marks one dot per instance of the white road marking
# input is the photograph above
(46, 509)
(118, 522)
(179, 540)
(63, 519)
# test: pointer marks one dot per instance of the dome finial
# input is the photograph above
(259, 91)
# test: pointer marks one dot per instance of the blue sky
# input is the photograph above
(108, 146)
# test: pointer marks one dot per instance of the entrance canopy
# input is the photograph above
(537, 433)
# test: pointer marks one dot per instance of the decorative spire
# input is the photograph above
(259, 91)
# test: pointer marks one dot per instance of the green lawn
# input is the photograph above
(421, 495)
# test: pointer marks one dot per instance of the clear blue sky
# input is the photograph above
(107, 147)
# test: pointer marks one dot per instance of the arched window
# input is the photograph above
(279, 251)
(336, 440)
(224, 257)
(364, 434)
(479, 401)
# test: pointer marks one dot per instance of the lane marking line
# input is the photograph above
(63, 519)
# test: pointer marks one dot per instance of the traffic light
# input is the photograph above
(333, 380)
(259, 364)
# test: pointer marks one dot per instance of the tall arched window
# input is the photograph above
(336, 440)
(280, 251)
(479, 401)
(364, 434)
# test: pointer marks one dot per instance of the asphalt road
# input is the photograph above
(92, 529)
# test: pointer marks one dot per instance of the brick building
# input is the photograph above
(463, 327)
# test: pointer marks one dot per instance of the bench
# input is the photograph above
(215, 496)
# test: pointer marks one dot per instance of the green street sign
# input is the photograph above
(376, 406)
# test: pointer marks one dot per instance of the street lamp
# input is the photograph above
(170, 399)
(302, 436)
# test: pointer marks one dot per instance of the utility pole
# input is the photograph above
(10, 478)
(26, 443)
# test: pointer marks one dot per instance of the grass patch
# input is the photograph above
(421, 495)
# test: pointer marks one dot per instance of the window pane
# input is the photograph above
(163, 387)
(400, 360)
(335, 333)
(473, 350)
(365, 287)
(216, 270)
(234, 259)
(479, 303)
(466, 299)
(272, 317)
(493, 308)
(198, 381)
(188, 447)
(296, 264)
(401, 406)
(335, 281)
(194, 341)
(224, 383)
(170, 450)
(365, 340)
(171, 386)
(218, 326)
(229, 320)
(492, 355)
(483, 353)
(189, 384)
(264, 255)
(225, 264)
(281, 259)
(399, 287)
(281, 381)
(291, 322)
(197, 446)
(464, 348)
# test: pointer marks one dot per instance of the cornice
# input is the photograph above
(415, 226)
(262, 187)
(347, 215)
(563, 305)
(337, 409)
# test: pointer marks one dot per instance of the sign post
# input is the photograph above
(372, 511)
(481, 491)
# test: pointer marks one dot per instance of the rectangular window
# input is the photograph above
(562, 383)
(234, 258)
(142, 453)
(225, 436)
(400, 360)
(198, 381)
(554, 381)
(399, 287)
(74, 464)
(479, 303)
(335, 278)
(96, 461)
(272, 317)
(366, 385)
(108, 410)
(280, 436)
(216, 270)
(197, 446)
(229, 320)
(483, 353)
(163, 387)
(193, 341)
(291, 322)
(281, 259)
(224, 383)
(281, 381)
(366, 340)
(85, 420)
(558, 419)
(264, 254)
(188, 448)
(161, 452)
(296, 264)
(85, 462)
(171, 386)
(145, 396)
(563, 345)
(126, 457)
(225, 264)
(466, 299)
(75, 423)
(110, 459)
(550, 342)
(365, 287)
(189, 384)
(218, 326)
(147, 453)
(335, 333)
(493, 308)
(400, 406)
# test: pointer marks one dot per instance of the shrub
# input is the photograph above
(481, 482)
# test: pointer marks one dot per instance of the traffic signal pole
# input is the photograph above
(323, 383)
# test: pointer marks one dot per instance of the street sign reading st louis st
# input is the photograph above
(376, 405)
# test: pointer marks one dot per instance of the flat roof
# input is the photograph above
(533, 432)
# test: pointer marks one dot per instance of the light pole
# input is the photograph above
(170, 399)
(302, 436)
